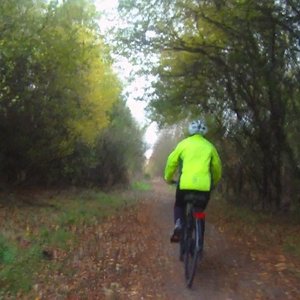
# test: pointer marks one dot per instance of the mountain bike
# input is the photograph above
(191, 242)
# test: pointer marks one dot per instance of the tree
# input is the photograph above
(56, 84)
(237, 61)
(115, 157)
(166, 142)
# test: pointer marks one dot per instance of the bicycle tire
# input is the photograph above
(191, 253)
(181, 249)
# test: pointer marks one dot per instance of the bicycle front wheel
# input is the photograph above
(191, 255)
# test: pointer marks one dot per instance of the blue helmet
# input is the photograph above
(198, 127)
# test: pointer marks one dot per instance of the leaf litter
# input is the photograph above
(129, 257)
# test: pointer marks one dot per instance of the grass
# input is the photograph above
(51, 222)
(17, 266)
(7, 251)
(141, 186)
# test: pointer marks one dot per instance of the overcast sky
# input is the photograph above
(123, 67)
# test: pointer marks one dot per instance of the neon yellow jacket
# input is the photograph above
(199, 164)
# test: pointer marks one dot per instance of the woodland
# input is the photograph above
(83, 213)
(234, 63)
(64, 119)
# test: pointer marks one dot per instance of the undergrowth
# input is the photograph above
(268, 229)
(32, 234)
(141, 186)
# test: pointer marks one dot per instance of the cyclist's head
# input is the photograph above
(197, 127)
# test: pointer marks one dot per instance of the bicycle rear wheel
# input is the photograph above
(191, 253)
(181, 249)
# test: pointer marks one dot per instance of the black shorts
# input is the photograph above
(201, 197)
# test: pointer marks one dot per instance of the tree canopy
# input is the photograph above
(57, 86)
(237, 63)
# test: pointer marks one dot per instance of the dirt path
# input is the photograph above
(223, 274)
(234, 271)
(130, 257)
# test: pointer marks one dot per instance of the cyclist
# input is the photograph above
(199, 167)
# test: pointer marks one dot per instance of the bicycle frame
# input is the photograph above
(191, 245)
(199, 217)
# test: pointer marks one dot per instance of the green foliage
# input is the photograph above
(15, 263)
(56, 85)
(117, 153)
(62, 120)
(237, 62)
(121, 147)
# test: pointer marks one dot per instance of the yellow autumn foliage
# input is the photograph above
(99, 90)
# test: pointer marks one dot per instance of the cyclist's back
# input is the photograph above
(199, 170)
(195, 157)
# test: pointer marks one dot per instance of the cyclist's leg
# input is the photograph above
(179, 207)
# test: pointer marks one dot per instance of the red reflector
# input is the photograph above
(199, 215)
